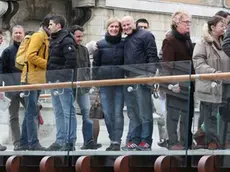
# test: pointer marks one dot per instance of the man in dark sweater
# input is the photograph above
(12, 76)
(140, 49)
(82, 94)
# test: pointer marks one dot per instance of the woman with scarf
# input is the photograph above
(209, 57)
(177, 46)
(109, 54)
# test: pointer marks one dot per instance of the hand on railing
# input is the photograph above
(175, 88)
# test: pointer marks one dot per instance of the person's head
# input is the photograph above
(142, 23)
(1, 36)
(128, 25)
(216, 26)
(113, 26)
(77, 31)
(18, 33)
(181, 21)
(224, 14)
(56, 23)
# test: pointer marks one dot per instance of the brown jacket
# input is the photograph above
(209, 57)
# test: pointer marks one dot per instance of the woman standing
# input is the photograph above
(111, 52)
(209, 57)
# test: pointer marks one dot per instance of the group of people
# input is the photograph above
(54, 54)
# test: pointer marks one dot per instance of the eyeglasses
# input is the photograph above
(186, 22)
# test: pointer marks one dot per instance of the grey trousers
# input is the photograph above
(14, 118)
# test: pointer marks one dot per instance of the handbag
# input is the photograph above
(96, 111)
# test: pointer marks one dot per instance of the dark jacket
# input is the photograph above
(178, 52)
(83, 67)
(140, 47)
(9, 73)
(226, 42)
(109, 55)
(62, 56)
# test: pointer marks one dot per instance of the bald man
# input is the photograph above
(140, 48)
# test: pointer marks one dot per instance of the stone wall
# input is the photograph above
(159, 24)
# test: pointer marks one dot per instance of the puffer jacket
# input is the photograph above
(37, 55)
(106, 59)
(62, 57)
(209, 57)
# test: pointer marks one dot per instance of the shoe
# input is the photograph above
(89, 145)
(213, 146)
(67, 147)
(163, 143)
(143, 146)
(54, 147)
(98, 145)
(115, 147)
(2, 148)
(199, 137)
(18, 148)
(177, 146)
(130, 146)
(37, 147)
(109, 148)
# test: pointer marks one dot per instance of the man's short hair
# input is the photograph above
(222, 14)
(74, 28)
(142, 20)
(57, 19)
(17, 26)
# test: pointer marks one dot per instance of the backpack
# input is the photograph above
(21, 59)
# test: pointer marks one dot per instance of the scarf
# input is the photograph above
(185, 38)
(113, 39)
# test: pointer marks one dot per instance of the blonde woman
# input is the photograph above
(111, 52)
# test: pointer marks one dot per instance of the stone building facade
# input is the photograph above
(92, 14)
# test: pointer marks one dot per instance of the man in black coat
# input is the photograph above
(140, 50)
(60, 68)
(12, 76)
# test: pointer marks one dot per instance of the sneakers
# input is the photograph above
(114, 147)
(54, 147)
(2, 148)
(143, 146)
(130, 147)
(163, 143)
(67, 147)
(89, 145)
(37, 147)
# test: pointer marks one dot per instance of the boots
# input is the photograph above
(199, 137)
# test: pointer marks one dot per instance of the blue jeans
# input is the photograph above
(87, 127)
(64, 112)
(140, 113)
(29, 136)
(112, 100)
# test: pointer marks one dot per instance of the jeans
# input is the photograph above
(87, 128)
(14, 117)
(112, 101)
(139, 109)
(64, 111)
(29, 136)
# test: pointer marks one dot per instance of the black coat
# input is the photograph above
(109, 55)
(62, 56)
(140, 47)
(9, 73)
